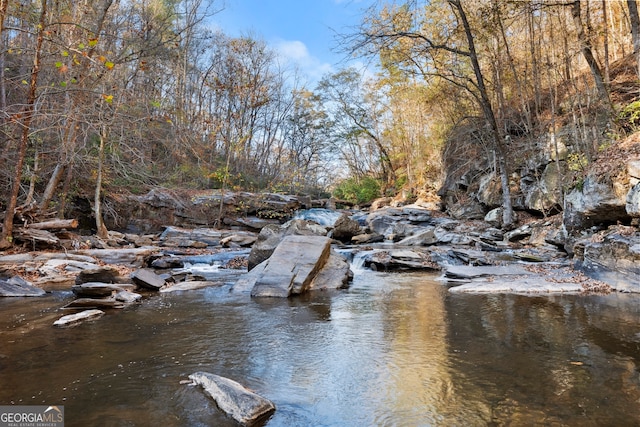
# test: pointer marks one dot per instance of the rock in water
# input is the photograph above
(147, 279)
(18, 287)
(292, 266)
(241, 404)
(74, 319)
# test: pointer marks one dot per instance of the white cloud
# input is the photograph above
(296, 53)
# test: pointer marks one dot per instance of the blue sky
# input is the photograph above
(302, 31)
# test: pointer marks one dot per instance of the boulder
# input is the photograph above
(271, 235)
(147, 279)
(16, 286)
(240, 403)
(597, 202)
(292, 266)
(76, 318)
(632, 205)
(345, 228)
(613, 257)
(98, 275)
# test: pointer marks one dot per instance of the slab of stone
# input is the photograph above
(132, 257)
(146, 278)
(292, 266)
(109, 302)
(98, 289)
(99, 274)
(471, 272)
(522, 285)
(16, 286)
(57, 266)
(76, 318)
(189, 285)
(240, 403)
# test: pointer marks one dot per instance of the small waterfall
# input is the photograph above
(324, 217)
(357, 264)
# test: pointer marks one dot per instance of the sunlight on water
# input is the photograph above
(393, 350)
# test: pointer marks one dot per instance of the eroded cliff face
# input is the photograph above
(551, 176)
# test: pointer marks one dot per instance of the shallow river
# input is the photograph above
(394, 350)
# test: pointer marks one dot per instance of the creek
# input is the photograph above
(393, 350)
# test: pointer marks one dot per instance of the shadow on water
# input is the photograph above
(394, 349)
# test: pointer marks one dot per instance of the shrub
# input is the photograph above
(358, 191)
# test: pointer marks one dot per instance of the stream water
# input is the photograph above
(393, 350)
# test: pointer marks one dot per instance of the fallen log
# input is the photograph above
(35, 236)
(54, 224)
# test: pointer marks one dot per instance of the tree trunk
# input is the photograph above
(635, 31)
(102, 231)
(588, 55)
(6, 239)
(487, 110)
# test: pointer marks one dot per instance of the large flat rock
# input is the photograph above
(471, 272)
(292, 266)
(18, 287)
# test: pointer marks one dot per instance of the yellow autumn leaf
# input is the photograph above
(109, 65)
(107, 98)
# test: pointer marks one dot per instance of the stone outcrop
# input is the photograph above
(612, 256)
(159, 208)
(240, 403)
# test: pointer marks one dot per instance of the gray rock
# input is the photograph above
(16, 286)
(190, 285)
(613, 258)
(100, 274)
(471, 272)
(345, 228)
(98, 289)
(146, 278)
(632, 205)
(424, 238)
(271, 235)
(400, 259)
(292, 266)
(243, 405)
(127, 297)
(596, 203)
(108, 302)
(132, 257)
(76, 318)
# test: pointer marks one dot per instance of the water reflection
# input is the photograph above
(395, 349)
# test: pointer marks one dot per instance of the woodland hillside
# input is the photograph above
(477, 101)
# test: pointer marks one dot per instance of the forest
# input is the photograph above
(102, 97)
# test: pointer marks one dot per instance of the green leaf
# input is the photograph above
(65, 53)
(63, 84)
(58, 64)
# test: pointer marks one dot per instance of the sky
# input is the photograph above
(301, 31)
